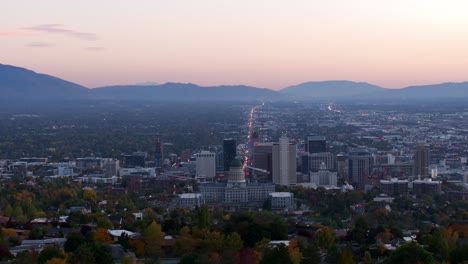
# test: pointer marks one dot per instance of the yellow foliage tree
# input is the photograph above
(153, 237)
(56, 261)
(294, 252)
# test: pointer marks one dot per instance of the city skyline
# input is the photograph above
(270, 44)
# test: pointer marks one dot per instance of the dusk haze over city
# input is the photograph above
(271, 44)
(234, 132)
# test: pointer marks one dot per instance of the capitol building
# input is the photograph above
(236, 191)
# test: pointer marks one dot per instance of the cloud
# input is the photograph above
(15, 33)
(39, 44)
(95, 48)
(60, 29)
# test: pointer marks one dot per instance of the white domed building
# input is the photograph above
(237, 191)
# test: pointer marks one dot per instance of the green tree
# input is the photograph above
(410, 253)
(310, 254)
(233, 242)
(74, 240)
(359, 231)
(278, 255)
(203, 217)
(8, 210)
(441, 243)
(102, 253)
(25, 257)
(50, 252)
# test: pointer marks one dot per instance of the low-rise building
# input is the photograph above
(281, 200)
(394, 186)
(190, 200)
(427, 186)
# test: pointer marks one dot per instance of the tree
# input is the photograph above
(325, 237)
(153, 237)
(5, 251)
(186, 243)
(90, 195)
(50, 252)
(442, 242)
(359, 232)
(56, 261)
(104, 222)
(25, 257)
(102, 253)
(203, 217)
(346, 257)
(310, 254)
(367, 259)
(294, 252)
(83, 254)
(278, 255)
(233, 242)
(74, 240)
(102, 236)
(248, 255)
(410, 253)
(213, 242)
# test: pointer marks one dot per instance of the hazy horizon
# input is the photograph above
(268, 44)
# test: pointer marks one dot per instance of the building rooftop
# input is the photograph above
(189, 195)
(281, 194)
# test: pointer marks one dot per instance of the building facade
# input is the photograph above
(421, 160)
(236, 192)
(323, 177)
(229, 152)
(205, 165)
(284, 162)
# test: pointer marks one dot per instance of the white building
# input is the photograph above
(150, 172)
(284, 162)
(282, 200)
(236, 192)
(190, 200)
(205, 165)
(99, 178)
(65, 170)
(111, 167)
(323, 177)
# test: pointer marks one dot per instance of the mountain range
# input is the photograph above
(22, 84)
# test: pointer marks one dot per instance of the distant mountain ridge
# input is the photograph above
(22, 84)
(19, 83)
(184, 91)
(330, 89)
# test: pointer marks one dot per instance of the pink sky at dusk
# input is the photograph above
(262, 43)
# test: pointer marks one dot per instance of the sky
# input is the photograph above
(263, 43)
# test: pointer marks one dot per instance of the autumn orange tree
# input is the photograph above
(102, 236)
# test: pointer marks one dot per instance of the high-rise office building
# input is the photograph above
(284, 162)
(158, 153)
(360, 164)
(421, 160)
(262, 156)
(229, 152)
(205, 165)
(305, 163)
(315, 144)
